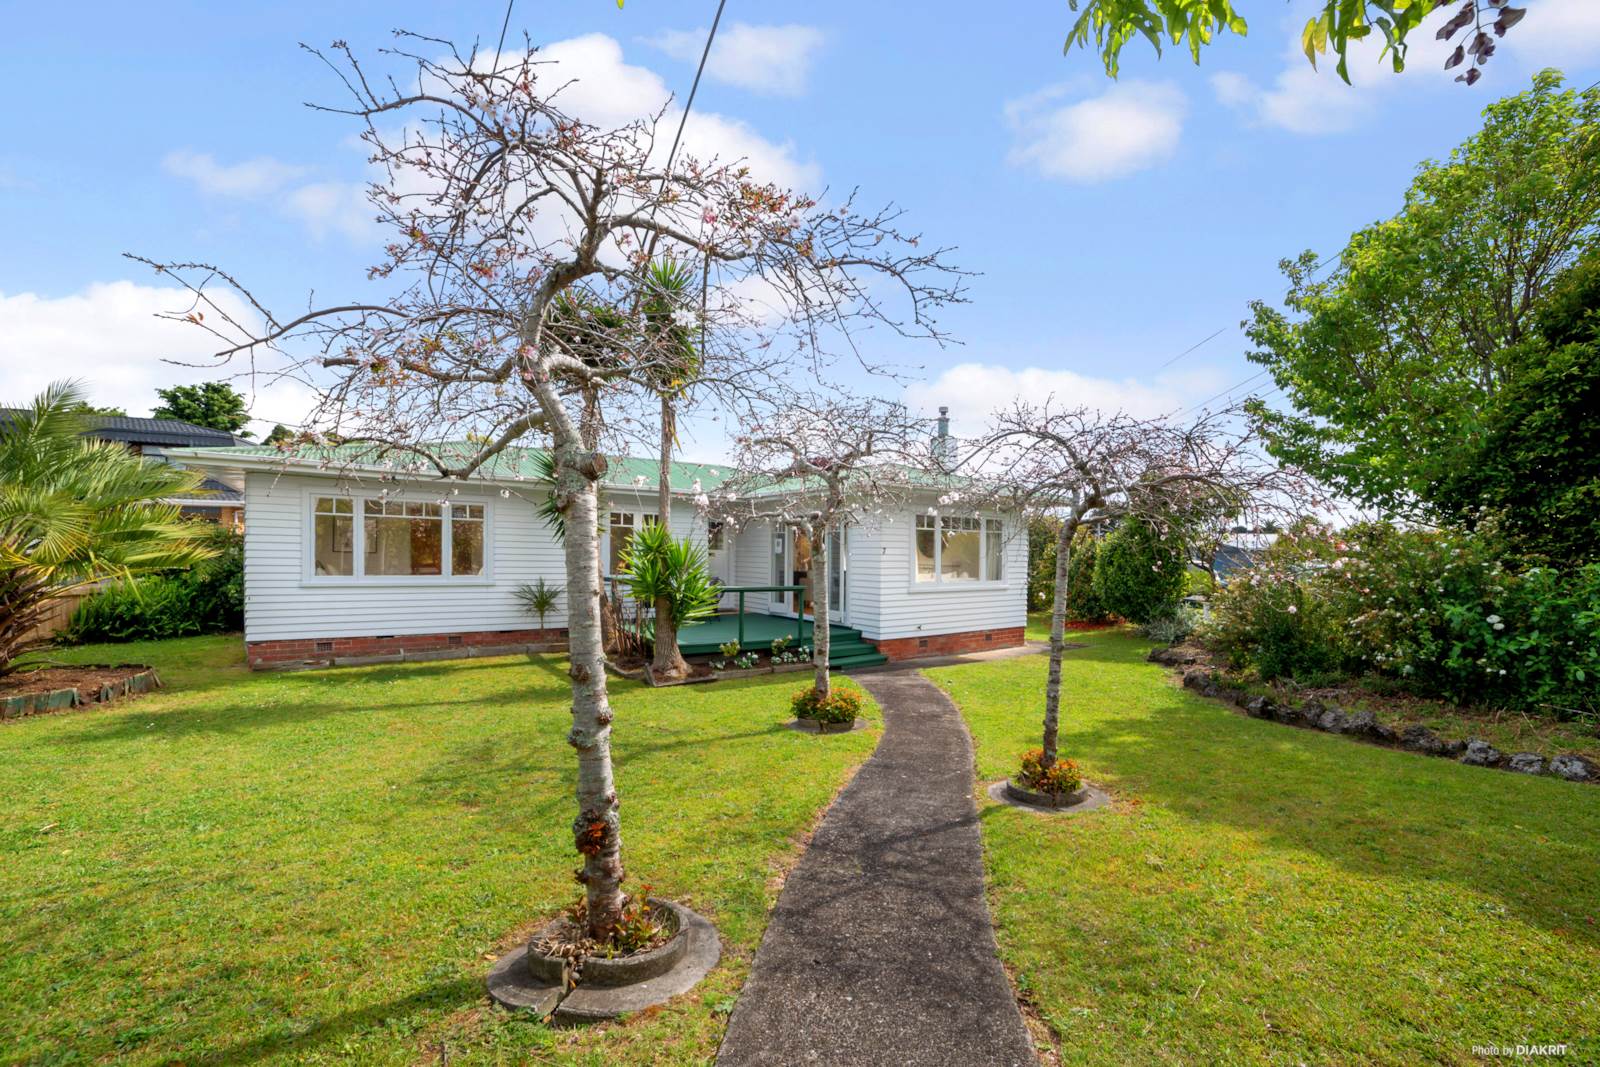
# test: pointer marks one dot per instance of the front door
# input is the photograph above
(719, 559)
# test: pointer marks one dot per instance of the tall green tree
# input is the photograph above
(1533, 474)
(1391, 362)
(75, 511)
(214, 405)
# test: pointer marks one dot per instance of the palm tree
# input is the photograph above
(673, 362)
(75, 511)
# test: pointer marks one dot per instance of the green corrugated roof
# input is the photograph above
(624, 472)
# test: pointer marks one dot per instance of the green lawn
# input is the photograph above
(1260, 894)
(319, 867)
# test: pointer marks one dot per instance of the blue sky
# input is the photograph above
(1112, 224)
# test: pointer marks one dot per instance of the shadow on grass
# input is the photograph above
(444, 996)
(1378, 812)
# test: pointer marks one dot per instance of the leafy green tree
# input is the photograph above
(75, 511)
(1139, 574)
(280, 435)
(1392, 361)
(86, 408)
(1083, 602)
(1043, 529)
(1193, 23)
(214, 405)
(1533, 473)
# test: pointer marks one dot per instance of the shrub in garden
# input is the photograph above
(1138, 574)
(841, 705)
(1083, 602)
(1058, 779)
(1437, 613)
(1172, 628)
(208, 598)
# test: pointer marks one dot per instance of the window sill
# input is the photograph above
(413, 581)
(919, 588)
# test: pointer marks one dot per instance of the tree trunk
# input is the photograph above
(667, 662)
(597, 831)
(820, 608)
(1058, 629)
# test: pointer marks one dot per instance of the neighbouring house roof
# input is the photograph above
(513, 464)
(212, 493)
(1230, 559)
(170, 433)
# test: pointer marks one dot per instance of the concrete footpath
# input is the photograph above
(880, 949)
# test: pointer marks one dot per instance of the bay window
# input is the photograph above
(396, 538)
(952, 549)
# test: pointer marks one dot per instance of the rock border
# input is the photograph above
(517, 986)
(812, 726)
(145, 680)
(1089, 798)
(1364, 726)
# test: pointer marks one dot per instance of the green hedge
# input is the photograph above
(206, 599)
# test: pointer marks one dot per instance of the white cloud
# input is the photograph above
(1132, 126)
(608, 91)
(1314, 101)
(252, 178)
(332, 207)
(1556, 32)
(108, 336)
(764, 59)
(974, 391)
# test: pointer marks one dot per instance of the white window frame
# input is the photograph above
(308, 572)
(639, 517)
(938, 582)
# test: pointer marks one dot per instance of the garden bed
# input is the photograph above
(46, 689)
(1506, 740)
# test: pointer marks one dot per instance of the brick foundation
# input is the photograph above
(949, 644)
(352, 651)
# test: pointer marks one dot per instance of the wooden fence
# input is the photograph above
(56, 615)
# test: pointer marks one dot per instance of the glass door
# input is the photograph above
(780, 564)
(837, 570)
(801, 569)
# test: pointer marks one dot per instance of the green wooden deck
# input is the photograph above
(847, 648)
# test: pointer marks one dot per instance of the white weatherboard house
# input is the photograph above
(349, 560)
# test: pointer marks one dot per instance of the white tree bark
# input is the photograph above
(820, 608)
(1058, 632)
(597, 830)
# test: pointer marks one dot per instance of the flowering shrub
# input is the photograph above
(1059, 778)
(1437, 613)
(840, 705)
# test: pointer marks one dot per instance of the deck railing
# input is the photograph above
(642, 612)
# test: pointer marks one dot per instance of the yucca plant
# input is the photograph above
(76, 511)
(539, 598)
(672, 575)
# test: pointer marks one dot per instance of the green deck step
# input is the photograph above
(869, 659)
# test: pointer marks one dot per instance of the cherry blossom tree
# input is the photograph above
(510, 305)
(819, 463)
(1091, 468)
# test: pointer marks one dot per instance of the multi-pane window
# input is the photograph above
(927, 548)
(957, 548)
(623, 525)
(397, 538)
(960, 549)
(466, 539)
(334, 523)
(403, 537)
